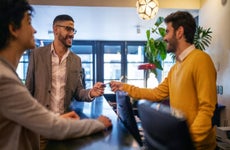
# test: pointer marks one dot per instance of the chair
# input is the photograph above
(126, 115)
(164, 128)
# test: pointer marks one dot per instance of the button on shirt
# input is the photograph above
(58, 82)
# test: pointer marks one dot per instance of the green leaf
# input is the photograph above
(159, 21)
(162, 31)
(148, 34)
(202, 38)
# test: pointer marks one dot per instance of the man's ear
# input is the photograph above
(55, 30)
(180, 32)
(13, 30)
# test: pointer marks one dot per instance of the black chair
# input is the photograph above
(126, 115)
(164, 128)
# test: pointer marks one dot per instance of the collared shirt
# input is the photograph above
(58, 82)
(180, 59)
(185, 53)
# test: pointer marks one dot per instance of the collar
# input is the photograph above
(185, 53)
(52, 51)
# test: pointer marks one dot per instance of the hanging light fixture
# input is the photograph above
(147, 9)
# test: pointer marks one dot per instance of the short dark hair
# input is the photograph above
(63, 17)
(184, 19)
(11, 12)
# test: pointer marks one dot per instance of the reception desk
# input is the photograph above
(116, 138)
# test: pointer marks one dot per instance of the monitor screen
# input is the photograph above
(126, 115)
(164, 129)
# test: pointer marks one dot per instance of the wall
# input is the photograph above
(176, 4)
(215, 15)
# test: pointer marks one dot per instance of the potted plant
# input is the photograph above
(155, 49)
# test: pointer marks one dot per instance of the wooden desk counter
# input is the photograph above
(116, 138)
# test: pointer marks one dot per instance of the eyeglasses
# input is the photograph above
(68, 28)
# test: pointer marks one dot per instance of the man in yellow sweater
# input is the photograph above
(190, 84)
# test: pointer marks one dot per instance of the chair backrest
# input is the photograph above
(164, 128)
(126, 115)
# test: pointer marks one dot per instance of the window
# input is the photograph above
(135, 57)
(23, 65)
(85, 51)
(102, 61)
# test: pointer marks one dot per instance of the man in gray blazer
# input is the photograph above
(54, 72)
(22, 118)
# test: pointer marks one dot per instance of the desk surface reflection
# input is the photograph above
(116, 138)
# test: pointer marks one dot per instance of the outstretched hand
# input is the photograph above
(116, 86)
(97, 90)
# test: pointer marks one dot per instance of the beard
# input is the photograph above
(64, 40)
(172, 44)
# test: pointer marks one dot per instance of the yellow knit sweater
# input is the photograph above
(191, 86)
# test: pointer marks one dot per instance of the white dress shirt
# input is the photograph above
(58, 82)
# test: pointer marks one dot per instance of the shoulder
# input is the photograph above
(202, 61)
(41, 49)
(199, 57)
(7, 73)
(74, 56)
(198, 54)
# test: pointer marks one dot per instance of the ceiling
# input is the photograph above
(102, 19)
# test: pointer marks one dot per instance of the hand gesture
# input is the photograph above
(116, 86)
(97, 90)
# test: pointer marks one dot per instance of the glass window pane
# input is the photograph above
(88, 67)
(23, 66)
(112, 71)
(133, 72)
(112, 53)
(112, 62)
(138, 83)
(85, 52)
(135, 57)
(167, 64)
(22, 71)
(135, 54)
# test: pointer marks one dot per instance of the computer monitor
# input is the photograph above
(126, 115)
(164, 129)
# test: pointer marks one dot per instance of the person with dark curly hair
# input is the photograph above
(22, 118)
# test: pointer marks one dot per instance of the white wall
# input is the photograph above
(216, 16)
(97, 23)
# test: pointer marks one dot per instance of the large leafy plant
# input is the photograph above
(155, 49)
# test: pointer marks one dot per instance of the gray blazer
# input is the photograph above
(39, 76)
(22, 118)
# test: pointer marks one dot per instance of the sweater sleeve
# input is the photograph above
(155, 94)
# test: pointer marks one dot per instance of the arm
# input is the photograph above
(159, 93)
(22, 109)
(205, 79)
(72, 115)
